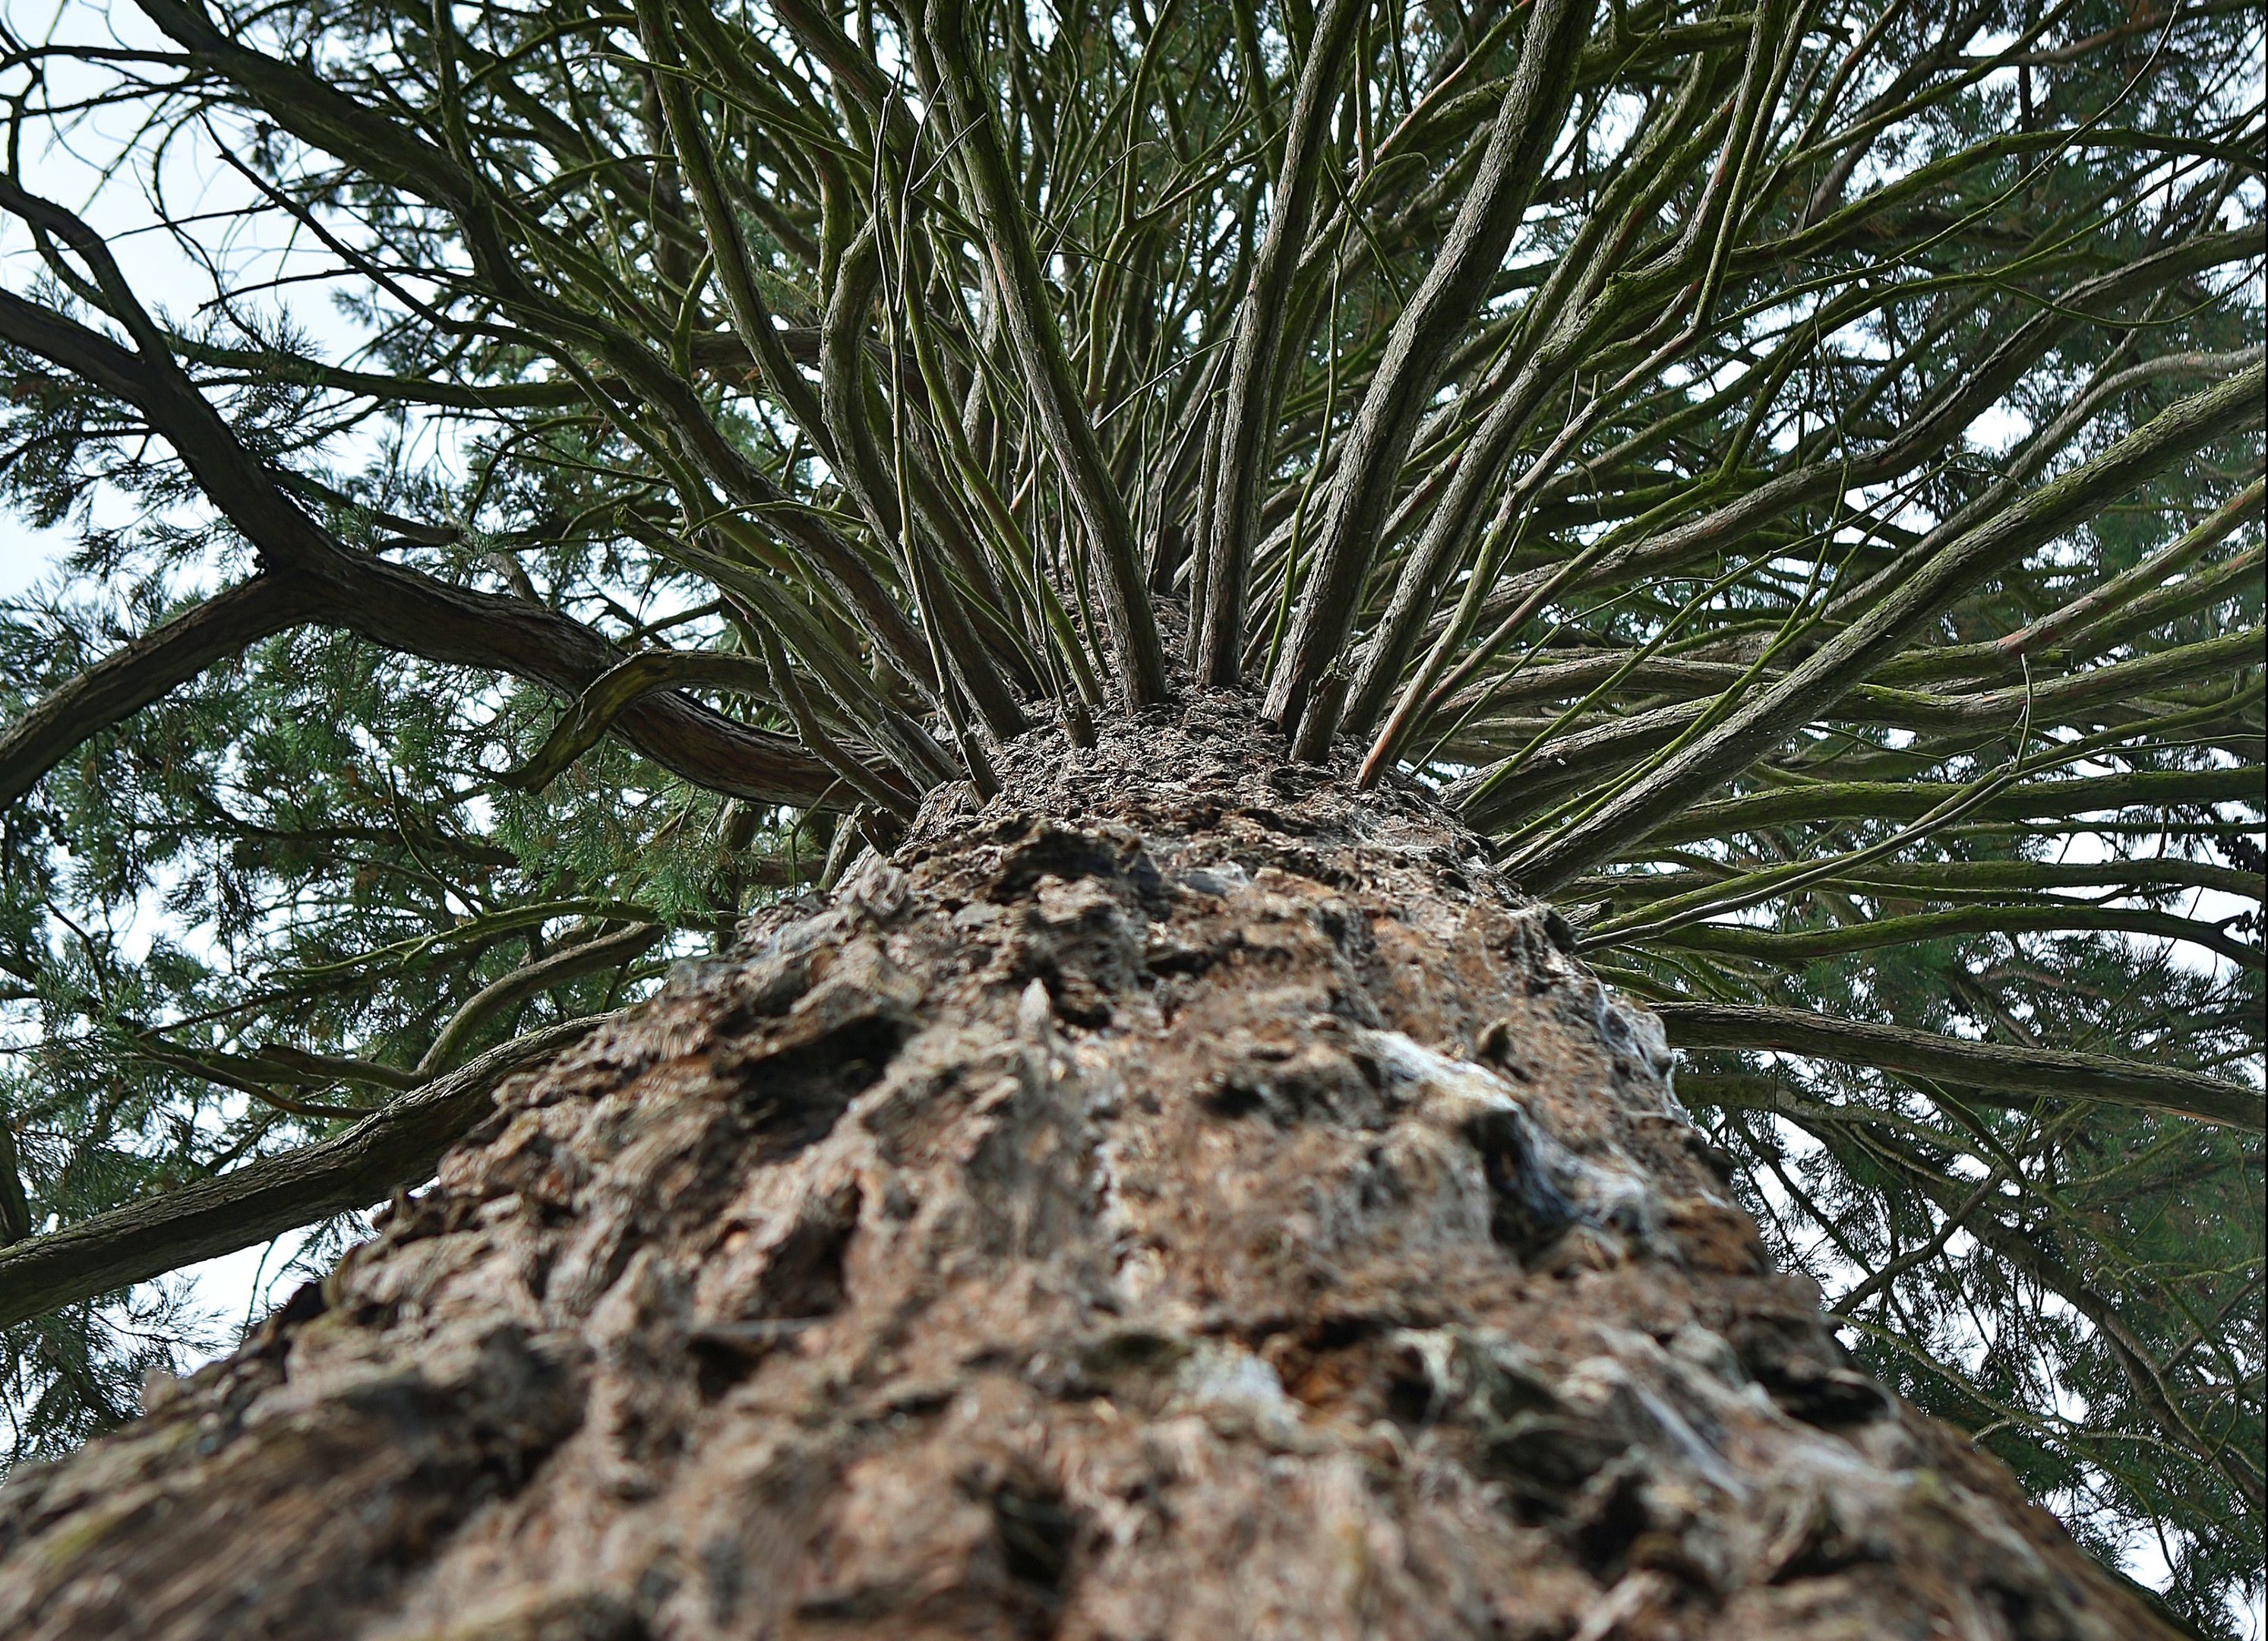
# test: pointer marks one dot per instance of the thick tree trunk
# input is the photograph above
(1179, 1198)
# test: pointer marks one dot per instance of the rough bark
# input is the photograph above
(1179, 1198)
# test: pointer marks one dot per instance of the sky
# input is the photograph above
(27, 555)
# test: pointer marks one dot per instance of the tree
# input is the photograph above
(1783, 483)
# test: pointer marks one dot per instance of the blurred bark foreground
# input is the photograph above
(1181, 1198)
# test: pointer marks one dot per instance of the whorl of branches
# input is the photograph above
(1789, 473)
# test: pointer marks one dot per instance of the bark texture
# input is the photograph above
(1179, 1198)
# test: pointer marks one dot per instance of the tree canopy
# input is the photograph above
(1787, 473)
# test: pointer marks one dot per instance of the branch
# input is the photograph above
(281, 1062)
(142, 671)
(1796, 947)
(617, 690)
(394, 607)
(1259, 366)
(1062, 418)
(397, 1146)
(1650, 893)
(15, 1207)
(1520, 144)
(1840, 665)
(2049, 1072)
(606, 952)
(2156, 790)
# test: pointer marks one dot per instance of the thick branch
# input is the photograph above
(2048, 1073)
(1032, 331)
(398, 1146)
(2155, 789)
(131, 677)
(399, 609)
(1256, 372)
(555, 969)
(1440, 314)
(2049, 914)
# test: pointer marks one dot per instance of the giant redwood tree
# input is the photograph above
(1287, 820)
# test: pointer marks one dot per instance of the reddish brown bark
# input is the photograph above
(1181, 1199)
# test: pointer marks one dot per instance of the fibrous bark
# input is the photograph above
(1179, 1198)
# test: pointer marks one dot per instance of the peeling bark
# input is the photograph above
(1179, 1199)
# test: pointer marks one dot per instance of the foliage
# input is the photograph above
(1789, 474)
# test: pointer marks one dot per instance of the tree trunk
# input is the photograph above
(1179, 1198)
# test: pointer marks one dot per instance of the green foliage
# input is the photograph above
(303, 847)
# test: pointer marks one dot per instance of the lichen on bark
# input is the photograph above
(1179, 1198)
